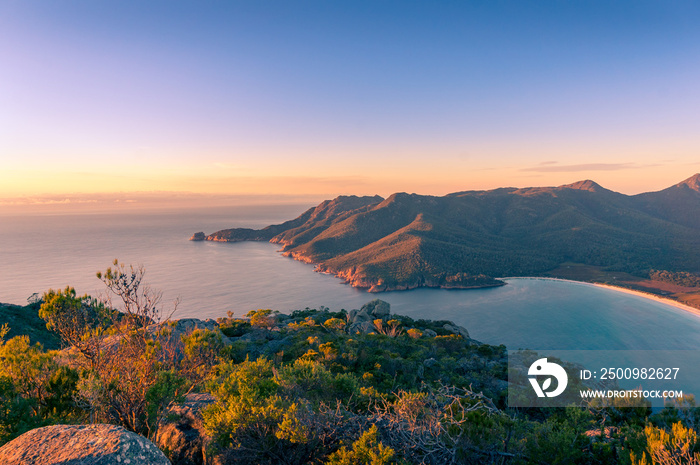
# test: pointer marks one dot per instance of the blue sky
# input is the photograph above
(330, 97)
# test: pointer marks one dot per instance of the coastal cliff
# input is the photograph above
(361, 280)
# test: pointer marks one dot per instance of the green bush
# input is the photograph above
(367, 450)
(16, 413)
(234, 327)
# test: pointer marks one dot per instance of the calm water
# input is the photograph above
(40, 252)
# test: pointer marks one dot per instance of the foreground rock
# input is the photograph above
(81, 445)
(182, 434)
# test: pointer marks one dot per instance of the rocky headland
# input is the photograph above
(468, 239)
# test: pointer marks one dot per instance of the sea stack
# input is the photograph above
(198, 237)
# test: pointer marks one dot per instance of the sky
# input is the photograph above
(319, 98)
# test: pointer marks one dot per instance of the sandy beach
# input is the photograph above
(646, 295)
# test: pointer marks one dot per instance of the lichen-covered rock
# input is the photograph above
(363, 327)
(81, 445)
(358, 316)
(459, 330)
(182, 435)
(377, 308)
(427, 332)
(361, 321)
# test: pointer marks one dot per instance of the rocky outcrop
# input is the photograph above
(181, 435)
(458, 330)
(364, 327)
(199, 236)
(427, 332)
(362, 320)
(264, 342)
(81, 445)
(377, 308)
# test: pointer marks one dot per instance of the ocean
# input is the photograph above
(42, 251)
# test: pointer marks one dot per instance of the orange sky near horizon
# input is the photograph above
(318, 99)
(367, 179)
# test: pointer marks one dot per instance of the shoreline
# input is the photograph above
(646, 295)
(374, 289)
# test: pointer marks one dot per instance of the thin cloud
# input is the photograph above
(228, 166)
(549, 168)
(45, 201)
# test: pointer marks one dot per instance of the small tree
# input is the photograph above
(139, 302)
(16, 415)
(263, 318)
(138, 365)
(367, 450)
(335, 324)
(43, 384)
(79, 321)
(414, 333)
(15, 411)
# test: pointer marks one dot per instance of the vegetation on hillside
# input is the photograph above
(123, 367)
(681, 278)
(305, 388)
(25, 321)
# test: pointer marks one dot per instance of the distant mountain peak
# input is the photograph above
(586, 185)
(692, 182)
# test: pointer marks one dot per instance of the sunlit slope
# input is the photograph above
(678, 204)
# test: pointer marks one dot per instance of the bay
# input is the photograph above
(52, 251)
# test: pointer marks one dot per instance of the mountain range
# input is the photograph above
(469, 239)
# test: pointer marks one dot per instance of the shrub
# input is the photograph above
(79, 321)
(414, 333)
(334, 323)
(16, 415)
(262, 318)
(367, 450)
(234, 327)
(680, 445)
